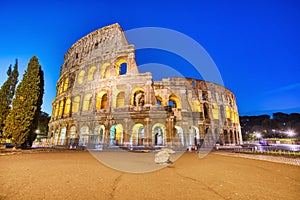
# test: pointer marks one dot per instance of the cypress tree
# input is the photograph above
(21, 121)
(7, 92)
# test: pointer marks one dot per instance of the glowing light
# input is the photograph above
(290, 133)
(257, 135)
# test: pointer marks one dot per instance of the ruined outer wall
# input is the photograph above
(93, 93)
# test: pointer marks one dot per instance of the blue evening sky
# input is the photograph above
(255, 44)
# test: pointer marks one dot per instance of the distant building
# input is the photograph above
(102, 99)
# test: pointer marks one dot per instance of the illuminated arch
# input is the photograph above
(215, 111)
(91, 73)
(116, 134)
(60, 90)
(62, 136)
(80, 77)
(179, 134)
(196, 107)
(137, 136)
(75, 104)
(137, 97)
(66, 84)
(103, 69)
(73, 136)
(174, 101)
(121, 66)
(56, 110)
(100, 132)
(159, 100)
(84, 136)
(101, 100)
(228, 112)
(87, 102)
(67, 106)
(61, 108)
(158, 134)
(194, 136)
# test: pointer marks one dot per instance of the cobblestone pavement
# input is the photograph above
(277, 159)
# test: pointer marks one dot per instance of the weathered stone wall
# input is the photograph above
(103, 99)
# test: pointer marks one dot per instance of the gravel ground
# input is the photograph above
(79, 175)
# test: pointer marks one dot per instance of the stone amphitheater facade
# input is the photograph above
(103, 101)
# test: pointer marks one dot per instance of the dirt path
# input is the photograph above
(78, 175)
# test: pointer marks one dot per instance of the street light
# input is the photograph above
(257, 135)
(290, 133)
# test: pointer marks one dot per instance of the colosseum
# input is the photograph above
(103, 101)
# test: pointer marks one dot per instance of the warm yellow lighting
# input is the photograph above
(87, 102)
(75, 105)
(66, 84)
(215, 111)
(67, 106)
(80, 77)
(91, 73)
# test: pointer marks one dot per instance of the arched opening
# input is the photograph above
(116, 135)
(56, 137)
(80, 77)
(204, 95)
(232, 139)
(62, 136)
(60, 88)
(75, 105)
(226, 137)
(206, 111)
(67, 106)
(73, 139)
(91, 73)
(61, 108)
(179, 137)
(121, 67)
(66, 84)
(228, 112)
(96, 138)
(158, 135)
(101, 101)
(84, 136)
(137, 136)
(194, 137)
(138, 97)
(120, 100)
(87, 102)
(103, 69)
(196, 106)
(193, 84)
(174, 101)
(159, 100)
(215, 111)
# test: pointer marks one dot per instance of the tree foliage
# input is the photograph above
(22, 119)
(7, 92)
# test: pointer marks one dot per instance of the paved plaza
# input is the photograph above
(79, 175)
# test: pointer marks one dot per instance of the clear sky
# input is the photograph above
(255, 44)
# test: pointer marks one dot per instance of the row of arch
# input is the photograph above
(116, 136)
(137, 98)
(107, 70)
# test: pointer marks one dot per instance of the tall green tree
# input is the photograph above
(7, 92)
(22, 119)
